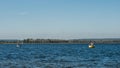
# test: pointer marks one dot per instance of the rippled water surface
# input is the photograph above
(59, 56)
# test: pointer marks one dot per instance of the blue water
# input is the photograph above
(59, 56)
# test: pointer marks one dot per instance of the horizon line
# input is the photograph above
(63, 39)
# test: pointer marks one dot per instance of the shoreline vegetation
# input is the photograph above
(60, 41)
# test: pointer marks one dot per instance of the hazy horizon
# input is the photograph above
(59, 19)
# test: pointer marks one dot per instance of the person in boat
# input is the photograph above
(91, 45)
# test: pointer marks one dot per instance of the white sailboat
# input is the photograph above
(17, 45)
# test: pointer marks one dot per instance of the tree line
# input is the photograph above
(71, 41)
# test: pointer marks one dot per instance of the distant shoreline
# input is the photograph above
(59, 41)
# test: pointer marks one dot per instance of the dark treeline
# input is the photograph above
(72, 41)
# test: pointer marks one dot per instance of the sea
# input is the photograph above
(59, 56)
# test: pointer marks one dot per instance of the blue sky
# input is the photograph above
(62, 19)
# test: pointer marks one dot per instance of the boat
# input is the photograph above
(17, 45)
(91, 45)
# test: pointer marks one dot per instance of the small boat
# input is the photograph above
(91, 45)
(17, 45)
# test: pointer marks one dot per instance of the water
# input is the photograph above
(59, 56)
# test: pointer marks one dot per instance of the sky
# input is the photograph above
(59, 19)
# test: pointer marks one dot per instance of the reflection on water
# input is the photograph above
(59, 56)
